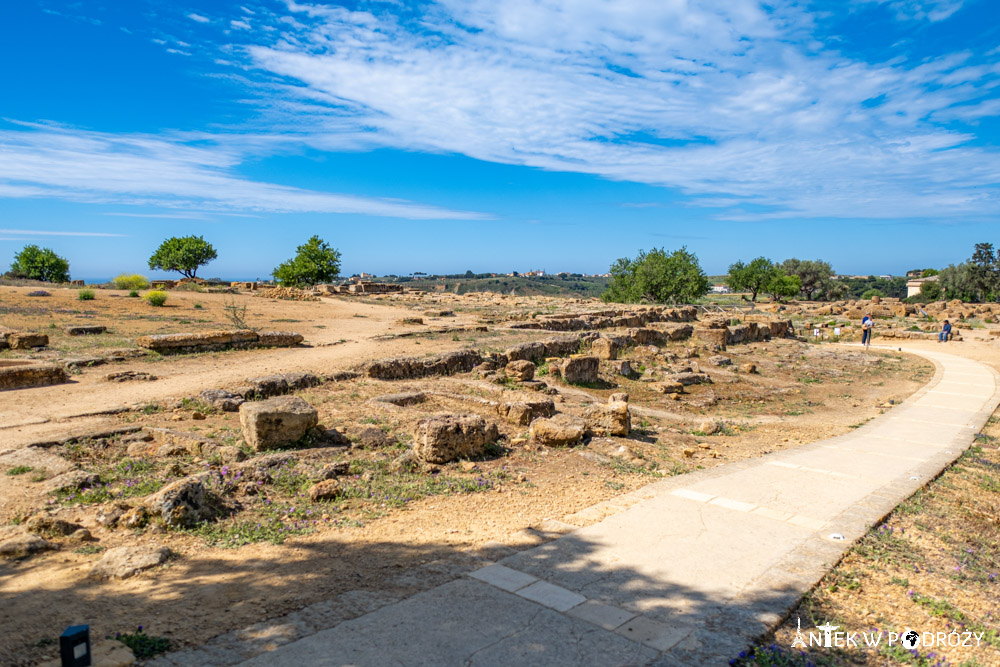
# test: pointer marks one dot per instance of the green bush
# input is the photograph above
(156, 298)
(43, 264)
(85, 295)
(131, 281)
(134, 293)
(868, 294)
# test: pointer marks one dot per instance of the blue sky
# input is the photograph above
(475, 134)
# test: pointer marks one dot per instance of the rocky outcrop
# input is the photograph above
(276, 422)
(523, 413)
(181, 504)
(559, 431)
(577, 370)
(125, 562)
(445, 438)
(521, 370)
(409, 368)
(611, 418)
(217, 340)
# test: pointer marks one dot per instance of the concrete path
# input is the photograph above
(690, 569)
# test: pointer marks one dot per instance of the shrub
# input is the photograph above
(85, 295)
(131, 281)
(868, 294)
(134, 293)
(43, 264)
(156, 298)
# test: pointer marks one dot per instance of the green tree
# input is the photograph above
(927, 273)
(753, 277)
(930, 290)
(183, 254)
(314, 262)
(783, 285)
(814, 274)
(868, 294)
(985, 268)
(959, 282)
(657, 277)
(36, 263)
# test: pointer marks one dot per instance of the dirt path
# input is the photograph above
(345, 339)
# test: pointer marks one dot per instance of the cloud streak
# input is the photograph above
(185, 172)
(736, 106)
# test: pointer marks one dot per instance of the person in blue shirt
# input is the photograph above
(945, 332)
(866, 330)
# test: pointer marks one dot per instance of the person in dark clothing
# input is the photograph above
(945, 332)
(866, 330)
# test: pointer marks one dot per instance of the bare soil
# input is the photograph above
(273, 550)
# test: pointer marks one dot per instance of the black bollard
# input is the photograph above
(74, 646)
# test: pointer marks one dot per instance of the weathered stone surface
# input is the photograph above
(558, 431)
(125, 562)
(218, 340)
(748, 367)
(525, 412)
(179, 341)
(21, 374)
(670, 387)
(623, 367)
(604, 348)
(168, 442)
(75, 480)
(371, 437)
(130, 376)
(689, 378)
(183, 503)
(85, 330)
(20, 544)
(406, 368)
(720, 360)
(521, 369)
(278, 339)
(26, 341)
(402, 399)
(618, 396)
(539, 350)
(709, 427)
(609, 419)
(221, 400)
(444, 438)
(327, 489)
(49, 526)
(580, 370)
(276, 422)
(336, 469)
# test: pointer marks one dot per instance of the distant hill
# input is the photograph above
(569, 285)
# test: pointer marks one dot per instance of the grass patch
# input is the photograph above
(19, 470)
(143, 645)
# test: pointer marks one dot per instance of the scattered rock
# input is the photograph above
(580, 370)
(125, 562)
(402, 399)
(331, 470)
(77, 480)
(688, 453)
(558, 431)
(85, 330)
(525, 412)
(26, 341)
(720, 360)
(668, 387)
(618, 397)
(197, 416)
(372, 438)
(445, 438)
(327, 489)
(521, 370)
(48, 526)
(23, 544)
(690, 378)
(709, 427)
(609, 419)
(604, 348)
(276, 422)
(410, 320)
(748, 368)
(182, 503)
(221, 400)
(109, 515)
(130, 376)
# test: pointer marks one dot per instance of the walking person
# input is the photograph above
(867, 324)
(945, 332)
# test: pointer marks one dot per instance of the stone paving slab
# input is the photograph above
(686, 571)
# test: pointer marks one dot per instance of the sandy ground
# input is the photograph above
(802, 393)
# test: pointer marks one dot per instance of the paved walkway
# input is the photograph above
(690, 569)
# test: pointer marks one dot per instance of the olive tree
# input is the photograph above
(183, 254)
(657, 277)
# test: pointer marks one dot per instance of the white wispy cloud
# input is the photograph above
(198, 18)
(736, 105)
(183, 172)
